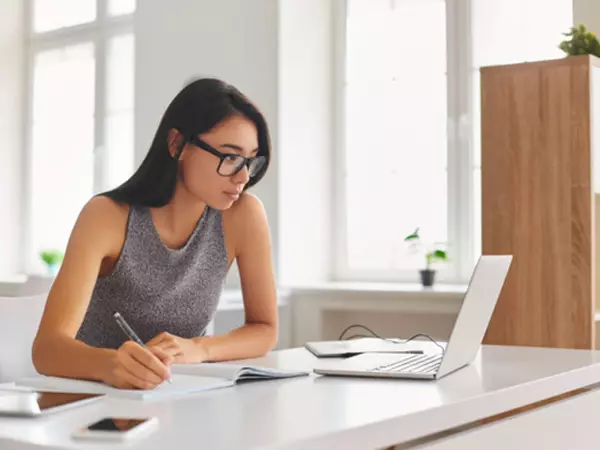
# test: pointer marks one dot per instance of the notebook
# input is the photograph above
(186, 379)
(235, 372)
(180, 384)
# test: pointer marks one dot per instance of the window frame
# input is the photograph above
(98, 33)
(460, 168)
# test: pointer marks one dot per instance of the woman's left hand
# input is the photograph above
(183, 351)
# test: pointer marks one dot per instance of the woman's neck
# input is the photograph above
(181, 214)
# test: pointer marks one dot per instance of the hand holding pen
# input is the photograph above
(137, 364)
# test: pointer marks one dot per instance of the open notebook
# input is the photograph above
(186, 379)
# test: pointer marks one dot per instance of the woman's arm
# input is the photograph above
(253, 254)
(259, 333)
(55, 349)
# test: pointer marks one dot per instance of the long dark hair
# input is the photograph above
(196, 109)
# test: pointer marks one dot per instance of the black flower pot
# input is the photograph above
(427, 277)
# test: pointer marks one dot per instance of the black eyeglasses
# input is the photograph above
(231, 163)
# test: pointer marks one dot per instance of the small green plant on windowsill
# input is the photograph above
(433, 254)
(580, 42)
(52, 258)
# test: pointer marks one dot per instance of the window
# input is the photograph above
(80, 130)
(409, 144)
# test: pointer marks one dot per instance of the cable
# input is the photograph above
(426, 336)
(396, 341)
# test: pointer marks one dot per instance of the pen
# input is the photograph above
(129, 331)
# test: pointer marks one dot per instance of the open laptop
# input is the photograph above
(469, 329)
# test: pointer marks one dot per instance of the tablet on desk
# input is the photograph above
(352, 347)
(38, 403)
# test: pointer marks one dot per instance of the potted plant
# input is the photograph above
(580, 42)
(433, 253)
(52, 258)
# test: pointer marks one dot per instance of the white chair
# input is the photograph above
(19, 321)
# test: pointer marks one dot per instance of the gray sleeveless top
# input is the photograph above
(156, 288)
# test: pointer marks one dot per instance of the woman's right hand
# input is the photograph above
(135, 367)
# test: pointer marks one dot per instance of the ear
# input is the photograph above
(174, 141)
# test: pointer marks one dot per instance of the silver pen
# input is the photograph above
(129, 331)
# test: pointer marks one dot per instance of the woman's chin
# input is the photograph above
(221, 203)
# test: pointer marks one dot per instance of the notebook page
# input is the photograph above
(218, 370)
(181, 384)
(233, 371)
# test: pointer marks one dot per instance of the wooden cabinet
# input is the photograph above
(540, 134)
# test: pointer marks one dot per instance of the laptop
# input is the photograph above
(469, 329)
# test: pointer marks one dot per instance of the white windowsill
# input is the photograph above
(400, 289)
(232, 299)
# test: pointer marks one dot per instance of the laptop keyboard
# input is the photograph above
(413, 364)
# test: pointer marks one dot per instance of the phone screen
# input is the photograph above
(116, 424)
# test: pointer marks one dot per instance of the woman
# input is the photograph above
(157, 250)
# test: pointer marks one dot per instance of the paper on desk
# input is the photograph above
(235, 372)
(180, 384)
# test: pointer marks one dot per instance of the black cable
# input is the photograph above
(396, 341)
(426, 336)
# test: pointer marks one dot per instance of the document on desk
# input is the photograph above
(235, 372)
(180, 384)
(186, 379)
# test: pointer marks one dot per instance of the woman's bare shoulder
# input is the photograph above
(105, 210)
(247, 207)
(102, 216)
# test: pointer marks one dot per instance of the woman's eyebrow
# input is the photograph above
(236, 147)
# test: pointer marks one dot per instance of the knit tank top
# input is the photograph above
(156, 288)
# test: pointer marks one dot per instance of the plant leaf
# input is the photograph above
(440, 254)
(414, 235)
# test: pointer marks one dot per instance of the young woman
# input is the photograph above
(157, 250)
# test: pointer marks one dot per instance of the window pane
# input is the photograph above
(118, 165)
(62, 142)
(119, 7)
(395, 131)
(118, 153)
(510, 31)
(120, 73)
(53, 14)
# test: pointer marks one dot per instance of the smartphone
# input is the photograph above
(117, 428)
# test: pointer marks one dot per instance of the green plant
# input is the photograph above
(51, 257)
(433, 254)
(581, 42)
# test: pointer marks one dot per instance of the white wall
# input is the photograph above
(12, 56)
(587, 12)
(236, 40)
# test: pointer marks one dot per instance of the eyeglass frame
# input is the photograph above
(194, 140)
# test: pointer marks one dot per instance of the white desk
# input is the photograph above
(326, 412)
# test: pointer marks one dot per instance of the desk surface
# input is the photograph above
(319, 412)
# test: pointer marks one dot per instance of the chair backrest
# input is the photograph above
(19, 321)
